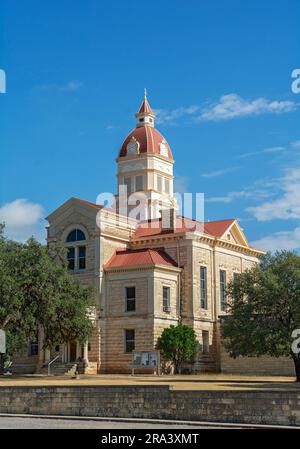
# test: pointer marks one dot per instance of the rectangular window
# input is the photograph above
(166, 299)
(33, 348)
(167, 185)
(203, 287)
(205, 342)
(81, 257)
(71, 258)
(222, 289)
(129, 340)
(159, 183)
(138, 183)
(130, 299)
(127, 183)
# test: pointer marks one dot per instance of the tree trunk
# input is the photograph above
(297, 367)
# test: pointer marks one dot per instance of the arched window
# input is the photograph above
(75, 236)
(76, 255)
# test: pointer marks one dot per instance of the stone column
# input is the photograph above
(78, 350)
(85, 353)
(47, 355)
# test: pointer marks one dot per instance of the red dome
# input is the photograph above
(149, 140)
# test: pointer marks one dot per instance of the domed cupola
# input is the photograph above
(145, 138)
(145, 163)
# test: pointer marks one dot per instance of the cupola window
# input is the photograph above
(163, 149)
(132, 146)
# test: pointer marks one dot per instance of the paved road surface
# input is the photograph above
(44, 423)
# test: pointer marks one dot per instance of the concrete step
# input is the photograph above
(59, 369)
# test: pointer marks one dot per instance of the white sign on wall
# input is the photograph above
(2, 342)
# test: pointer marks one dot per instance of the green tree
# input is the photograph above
(264, 309)
(178, 344)
(36, 289)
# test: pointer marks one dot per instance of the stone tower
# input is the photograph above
(145, 169)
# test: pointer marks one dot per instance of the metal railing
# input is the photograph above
(51, 361)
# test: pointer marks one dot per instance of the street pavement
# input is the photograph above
(46, 423)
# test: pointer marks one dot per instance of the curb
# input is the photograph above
(152, 421)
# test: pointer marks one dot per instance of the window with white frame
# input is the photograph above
(222, 290)
(203, 287)
(76, 252)
(129, 340)
(166, 298)
(130, 299)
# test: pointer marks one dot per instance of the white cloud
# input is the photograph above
(274, 150)
(249, 193)
(287, 204)
(22, 220)
(278, 149)
(228, 107)
(170, 116)
(232, 106)
(289, 240)
(71, 86)
(296, 144)
(216, 173)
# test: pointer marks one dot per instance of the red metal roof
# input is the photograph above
(183, 224)
(149, 139)
(145, 108)
(126, 258)
(98, 206)
(217, 228)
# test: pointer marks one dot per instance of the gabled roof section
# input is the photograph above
(185, 224)
(139, 257)
(235, 232)
(228, 229)
(218, 228)
(72, 202)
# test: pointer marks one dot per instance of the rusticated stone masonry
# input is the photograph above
(156, 402)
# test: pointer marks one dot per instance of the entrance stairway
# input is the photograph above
(60, 369)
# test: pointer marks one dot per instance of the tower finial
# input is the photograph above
(145, 115)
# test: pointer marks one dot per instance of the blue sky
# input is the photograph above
(218, 73)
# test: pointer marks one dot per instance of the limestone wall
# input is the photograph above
(281, 366)
(155, 402)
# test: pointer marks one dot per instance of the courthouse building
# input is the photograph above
(150, 271)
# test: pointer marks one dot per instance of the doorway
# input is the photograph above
(73, 351)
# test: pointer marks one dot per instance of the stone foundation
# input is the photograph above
(157, 402)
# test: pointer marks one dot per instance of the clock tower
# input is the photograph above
(145, 169)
